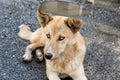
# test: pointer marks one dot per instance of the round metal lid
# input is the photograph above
(64, 8)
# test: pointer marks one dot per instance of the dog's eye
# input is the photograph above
(61, 38)
(48, 36)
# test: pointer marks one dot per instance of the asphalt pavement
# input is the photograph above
(101, 31)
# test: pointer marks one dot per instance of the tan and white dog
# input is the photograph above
(64, 46)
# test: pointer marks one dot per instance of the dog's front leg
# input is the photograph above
(28, 52)
(79, 74)
(52, 75)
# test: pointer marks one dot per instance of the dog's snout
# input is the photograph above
(48, 55)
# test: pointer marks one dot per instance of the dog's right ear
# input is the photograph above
(43, 18)
(74, 24)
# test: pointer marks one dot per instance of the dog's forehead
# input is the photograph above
(58, 21)
(57, 24)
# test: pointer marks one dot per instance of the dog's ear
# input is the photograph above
(43, 17)
(74, 24)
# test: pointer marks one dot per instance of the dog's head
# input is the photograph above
(60, 32)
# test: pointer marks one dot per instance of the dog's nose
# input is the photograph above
(48, 55)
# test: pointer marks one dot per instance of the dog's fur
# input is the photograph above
(61, 38)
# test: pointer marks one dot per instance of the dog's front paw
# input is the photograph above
(27, 58)
(39, 56)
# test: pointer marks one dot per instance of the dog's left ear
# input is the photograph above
(74, 24)
(43, 17)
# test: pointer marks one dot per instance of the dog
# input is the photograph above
(64, 46)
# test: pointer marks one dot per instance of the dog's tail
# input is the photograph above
(25, 32)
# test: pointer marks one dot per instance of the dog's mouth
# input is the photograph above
(53, 56)
(50, 57)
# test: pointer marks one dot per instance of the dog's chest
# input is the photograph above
(64, 66)
(59, 66)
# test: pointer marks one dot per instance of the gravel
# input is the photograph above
(101, 31)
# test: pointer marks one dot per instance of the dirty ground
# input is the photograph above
(101, 31)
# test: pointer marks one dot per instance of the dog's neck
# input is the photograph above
(67, 56)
